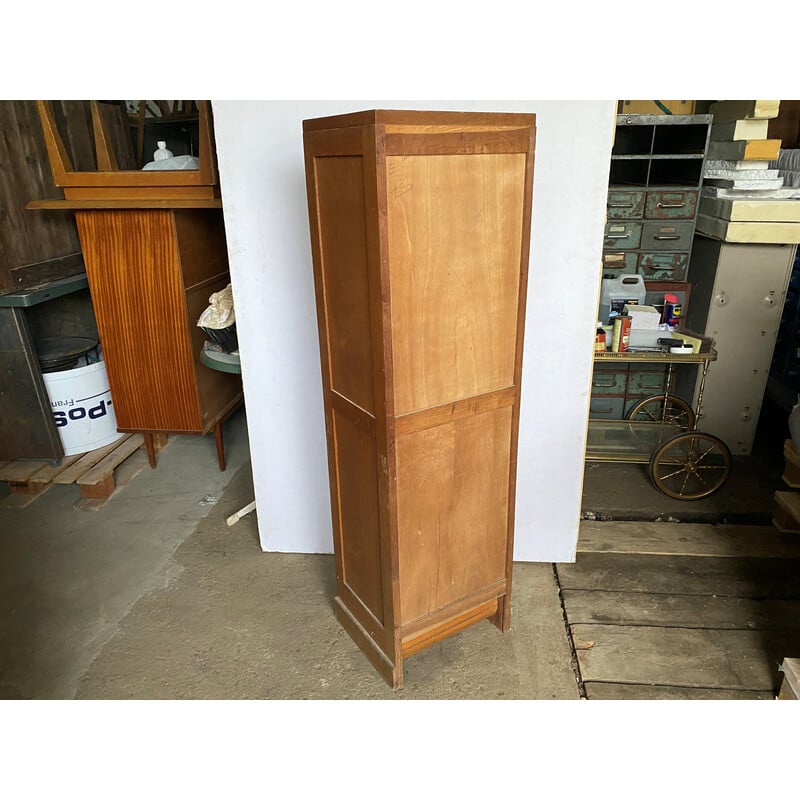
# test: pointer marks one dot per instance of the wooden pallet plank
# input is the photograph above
(680, 611)
(123, 475)
(635, 691)
(87, 461)
(20, 471)
(100, 472)
(17, 501)
(704, 575)
(683, 538)
(709, 659)
(25, 487)
(48, 474)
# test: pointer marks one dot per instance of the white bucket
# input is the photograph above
(82, 409)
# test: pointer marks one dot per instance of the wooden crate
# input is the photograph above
(791, 472)
(420, 225)
(98, 474)
(786, 516)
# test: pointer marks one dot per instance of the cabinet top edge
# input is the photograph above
(405, 117)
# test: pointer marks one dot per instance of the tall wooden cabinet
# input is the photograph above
(420, 232)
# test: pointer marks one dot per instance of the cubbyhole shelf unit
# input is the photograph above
(653, 194)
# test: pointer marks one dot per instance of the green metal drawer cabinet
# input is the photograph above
(654, 187)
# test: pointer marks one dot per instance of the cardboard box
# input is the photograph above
(646, 318)
(656, 107)
(790, 685)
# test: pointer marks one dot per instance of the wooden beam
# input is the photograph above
(206, 155)
(106, 158)
(60, 162)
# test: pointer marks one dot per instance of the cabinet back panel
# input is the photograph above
(454, 231)
(202, 245)
(452, 510)
(340, 195)
(133, 255)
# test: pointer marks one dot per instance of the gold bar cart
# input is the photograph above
(661, 431)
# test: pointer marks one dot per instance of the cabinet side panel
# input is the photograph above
(743, 317)
(455, 232)
(340, 198)
(452, 486)
(357, 529)
(134, 276)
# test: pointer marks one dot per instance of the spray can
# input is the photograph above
(621, 335)
(672, 311)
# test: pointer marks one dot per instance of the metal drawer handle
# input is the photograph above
(602, 410)
(620, 236)
(666, 238)
(671, 205)
(600, 385)
(620, 205)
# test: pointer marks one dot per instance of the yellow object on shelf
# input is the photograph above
(656, 107)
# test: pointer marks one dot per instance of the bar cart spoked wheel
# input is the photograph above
(661, 432)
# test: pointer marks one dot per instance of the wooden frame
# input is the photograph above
(110, 187)
(420, 232)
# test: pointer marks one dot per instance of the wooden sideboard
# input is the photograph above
(154, 248)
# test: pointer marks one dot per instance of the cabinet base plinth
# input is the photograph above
(391, 673)
(425, 638)
(496, 610)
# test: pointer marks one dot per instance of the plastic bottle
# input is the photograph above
(162, 152)
(616, 292)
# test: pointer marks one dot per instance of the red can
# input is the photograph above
(621, 335)
(672, 311)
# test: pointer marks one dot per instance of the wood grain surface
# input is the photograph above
(699, 658)
(682, 611)
(452, 487)
(455, 238)
(151, 273)
(656, 538)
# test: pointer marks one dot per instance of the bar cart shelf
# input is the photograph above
(661, 432)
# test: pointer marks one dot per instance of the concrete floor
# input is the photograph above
(153, 596)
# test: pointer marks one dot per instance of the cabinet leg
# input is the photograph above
(150, 444)
(220, 446)
(502, 617)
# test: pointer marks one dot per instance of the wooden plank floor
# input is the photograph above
(682, 611)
